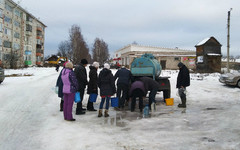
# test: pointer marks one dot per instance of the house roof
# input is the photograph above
(206, 40)
(134, 47)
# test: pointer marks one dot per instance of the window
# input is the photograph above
(8, 31)
(17, 24)
(39, 41)
(200, 59)
(16, 46)
(28, 48)
(1, 27)
(6, 57)
(28, 58)
(9, 8)
(29, 18)
(7, 44)
(38, 58)
(28, 28)
(17, 13)
(17, 35)
(176, 58)
(1, 13)
(7, 19)
(1, 1)
(0, 41)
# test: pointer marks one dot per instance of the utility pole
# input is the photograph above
(228, 39)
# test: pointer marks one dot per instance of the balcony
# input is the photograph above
(29, 22)
(39, 29)
(39, 51)
(28, 62)
(38, 63)
(28, 33)
(27, 52)
(38, 54)
(38, 46)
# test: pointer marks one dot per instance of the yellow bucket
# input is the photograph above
(169, 101)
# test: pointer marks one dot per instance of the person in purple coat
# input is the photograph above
(70, 86)
(137, 90)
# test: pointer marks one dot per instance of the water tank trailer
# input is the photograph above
(148, 66)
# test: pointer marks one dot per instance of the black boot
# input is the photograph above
(183, 105)
(61, 105)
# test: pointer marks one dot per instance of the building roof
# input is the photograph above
(153, 48)
(18, 6)
(206, 40)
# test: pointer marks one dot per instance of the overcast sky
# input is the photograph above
(163, 23)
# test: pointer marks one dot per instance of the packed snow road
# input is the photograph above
(30, 118)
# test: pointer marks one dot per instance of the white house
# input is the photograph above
(168, 57)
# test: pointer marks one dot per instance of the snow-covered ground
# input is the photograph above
(30, 118)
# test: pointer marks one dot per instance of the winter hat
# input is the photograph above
(69, 65)
(65, 63)
(95, 64)
(84, 61)
(107, 66)
(180, 64)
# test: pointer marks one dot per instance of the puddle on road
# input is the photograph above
(121, 118)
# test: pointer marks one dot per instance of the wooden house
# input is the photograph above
(208, 53)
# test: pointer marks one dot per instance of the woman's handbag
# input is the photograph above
(93, 97)
(77, 97)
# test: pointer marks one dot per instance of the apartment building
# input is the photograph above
(21, 36)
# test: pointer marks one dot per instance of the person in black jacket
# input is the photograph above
(92, 84)
(183, 80)
(81, 74)
(124, 77)
(107, 88)
(152, 86)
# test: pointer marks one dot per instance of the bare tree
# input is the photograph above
(64, 50)
(78, 45)
(100, 51)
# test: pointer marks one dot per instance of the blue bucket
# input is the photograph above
(114, 101)
(93, 97)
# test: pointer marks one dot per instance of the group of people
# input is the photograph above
(71, 81)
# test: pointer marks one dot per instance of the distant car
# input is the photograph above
(231, 79)
(2, 76)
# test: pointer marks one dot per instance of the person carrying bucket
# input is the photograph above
(183, 80)
(92, 88)
(107, 88)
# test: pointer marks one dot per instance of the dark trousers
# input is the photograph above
(152, 96)
(79, 104)
(90, 104)
(137, 93)
(122, 91)
(181, 92)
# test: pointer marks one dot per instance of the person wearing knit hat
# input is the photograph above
(69, 65)
(81, 75)
(84, 61)
(106, 65)
(183, 80)
(92, 88)
(107, 88)
(70, 86)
